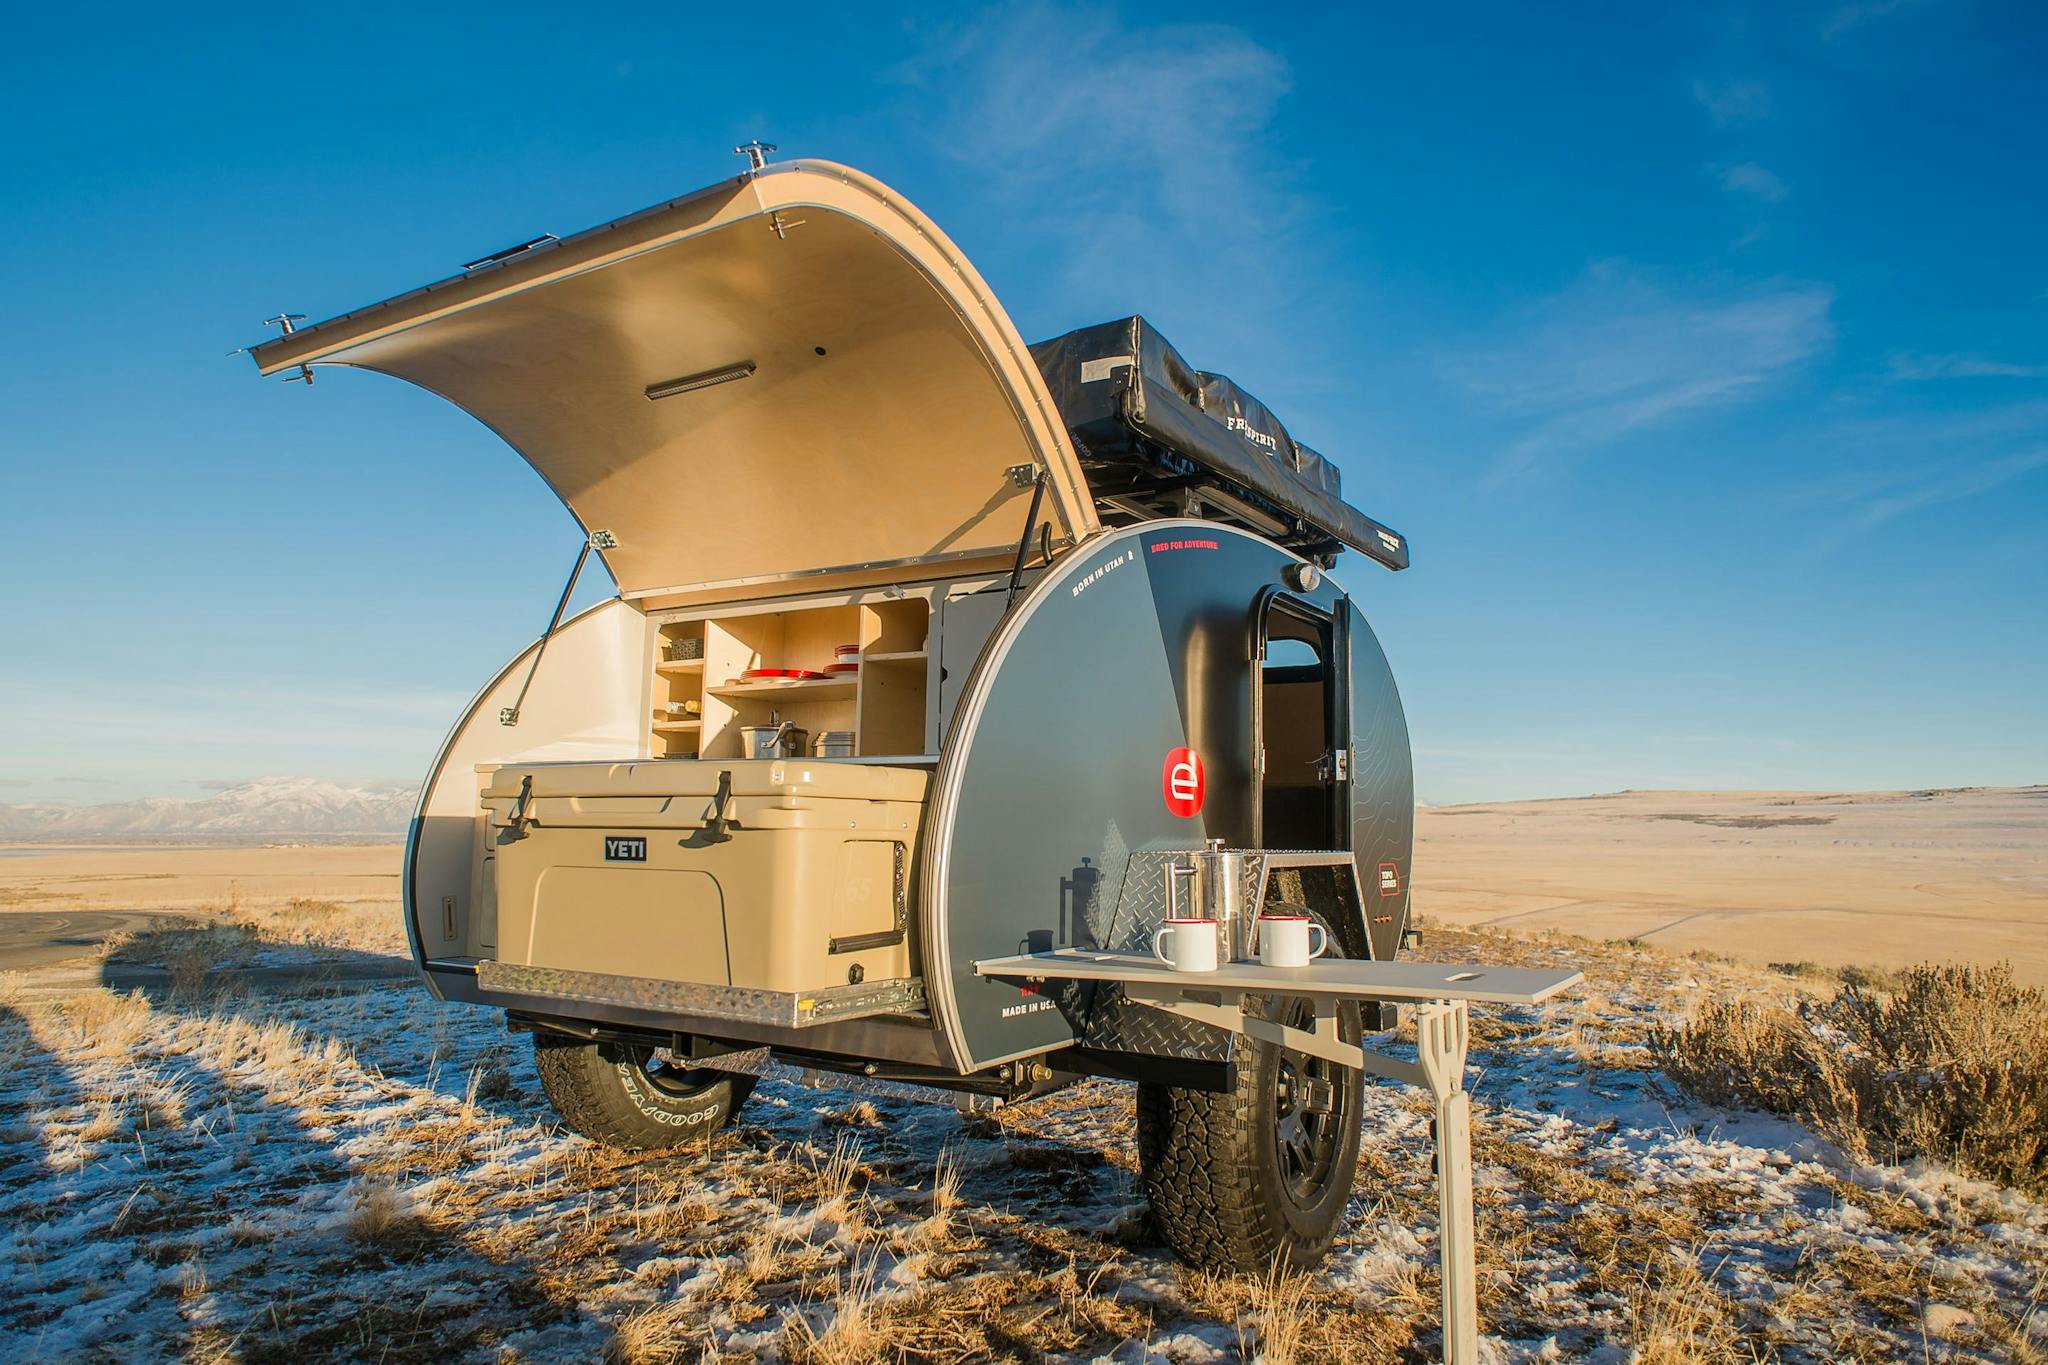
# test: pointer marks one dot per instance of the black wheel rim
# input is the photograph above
(665, 1074)
(1310, 1108)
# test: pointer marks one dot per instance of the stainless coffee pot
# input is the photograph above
(1216, 876)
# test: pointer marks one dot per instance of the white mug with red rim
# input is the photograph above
(1186, 945)
(1284, 940)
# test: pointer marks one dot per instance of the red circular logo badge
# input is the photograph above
(1182, 783)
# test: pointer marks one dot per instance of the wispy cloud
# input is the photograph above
(1746, 177)
(1847, 18)
(1905, 463)
(1620, 351)
(1950, 483)
(1106, 94)
(1138, 152)
(1902, 365)
(1732, 103)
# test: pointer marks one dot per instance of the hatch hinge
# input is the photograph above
(516, 249)
(290, 323)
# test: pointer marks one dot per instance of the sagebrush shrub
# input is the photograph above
(1949, 1063)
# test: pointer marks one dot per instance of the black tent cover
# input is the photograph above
(1140, 412)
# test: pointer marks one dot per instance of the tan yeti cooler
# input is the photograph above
(609, 879)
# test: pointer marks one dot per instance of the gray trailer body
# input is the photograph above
(1050, 790)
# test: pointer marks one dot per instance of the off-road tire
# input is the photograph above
(1213, 1167)
(622, 1097)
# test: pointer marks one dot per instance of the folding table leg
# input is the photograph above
(1454, 1220)
(1441, 1031)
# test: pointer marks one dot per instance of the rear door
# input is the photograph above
(1303, 785)
(1381, 793)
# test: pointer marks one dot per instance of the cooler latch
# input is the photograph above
(515, 826)
(716, 829)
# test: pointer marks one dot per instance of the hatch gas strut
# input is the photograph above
(597, 540)
(1020, 475)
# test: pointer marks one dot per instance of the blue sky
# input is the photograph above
(1701, 351)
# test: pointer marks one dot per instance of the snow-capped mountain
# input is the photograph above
(266, 806)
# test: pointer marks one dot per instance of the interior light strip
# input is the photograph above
(689, 383)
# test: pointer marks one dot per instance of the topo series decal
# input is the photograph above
(1390, 880)
(1182, 783)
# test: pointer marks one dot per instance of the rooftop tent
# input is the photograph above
(790, 375)
(1149, 426)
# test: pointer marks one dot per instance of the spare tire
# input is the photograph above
(632, 1099)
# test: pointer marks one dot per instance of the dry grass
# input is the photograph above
(195, 957)
(666, 1334)
(98, 1025)
(853, 1334)
(860, 1114)
(834, 1190)
(1281, 1307)
(103, 1123)
(323, 923)
(379, 1213)
(941, 1204)
(1950, 1064)
(1014, 1315)
(1679, 1318)
(886, 1256)
(764, 1254)
(1301, 1318)
(195, 953)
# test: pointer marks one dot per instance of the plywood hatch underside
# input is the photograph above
(848, 398)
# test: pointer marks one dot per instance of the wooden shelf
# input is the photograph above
(886, 703)
(802, 689)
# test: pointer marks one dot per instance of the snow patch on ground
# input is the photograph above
(366, 1171)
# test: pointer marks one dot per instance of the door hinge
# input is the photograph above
(1336, 766)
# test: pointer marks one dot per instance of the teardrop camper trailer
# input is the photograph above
(1058, 623)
